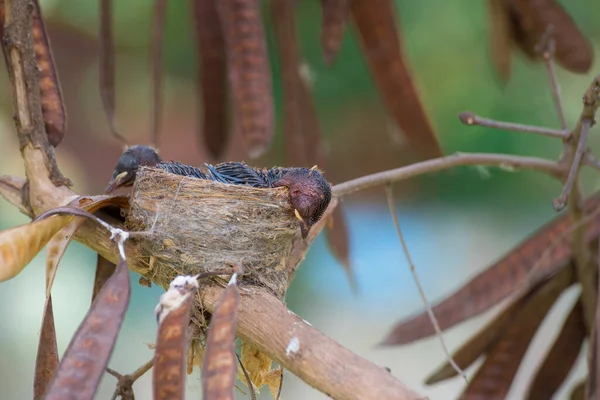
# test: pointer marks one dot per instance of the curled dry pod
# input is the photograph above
(249, 74)
(212, 75)
(333, 26)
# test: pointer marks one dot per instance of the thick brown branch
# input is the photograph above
(583, 259)
(439, 164)
(40, 166)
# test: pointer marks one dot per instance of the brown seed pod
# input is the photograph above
(173, 314)
(546, 248)
(333, 26)
(494, 378)
(249, 74)
(84, 362)
(53, 108)
(531, 19)
(220, 361)
(212, 75)
(376, 24)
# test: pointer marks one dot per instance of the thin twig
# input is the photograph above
(470, 118)
(590, 160)
(248, 380)
(433, 319)
(546, 48)
(561, 201)
(442, 163)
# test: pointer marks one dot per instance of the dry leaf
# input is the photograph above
(18, 246)
(380, 41)
(212, 75)
(88, 353)
(249, 74)
(220, 361)
(546, 248)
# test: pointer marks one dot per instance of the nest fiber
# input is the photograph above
(201, 226)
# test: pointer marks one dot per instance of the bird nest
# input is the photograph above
(204, 226)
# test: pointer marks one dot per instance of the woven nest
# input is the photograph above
(201, 226)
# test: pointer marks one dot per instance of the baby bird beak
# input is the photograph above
(116, 182)
(304, 228)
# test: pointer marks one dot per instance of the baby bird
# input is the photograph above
(309, 191)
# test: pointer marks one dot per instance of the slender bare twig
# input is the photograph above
(546, 49)
(590, 160)
(470, 118)
(390, 200)
(561, 201)
(443, 163)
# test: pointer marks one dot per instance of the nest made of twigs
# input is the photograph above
(200, 226)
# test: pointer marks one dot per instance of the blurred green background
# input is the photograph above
(455, 222)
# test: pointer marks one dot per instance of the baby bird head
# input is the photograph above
(126, 169)
(309, 194)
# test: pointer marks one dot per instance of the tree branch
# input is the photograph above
(442, 163)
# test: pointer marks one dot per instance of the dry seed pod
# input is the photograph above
(532, 18)
(546, 248)
(249, 74)
(212, 75)
(53, 108)
(380, 40)
(561, 357)
(493, 380)
(85, 360)
(220, 361)
(173, 315)
(333, 26)
(501, 37)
